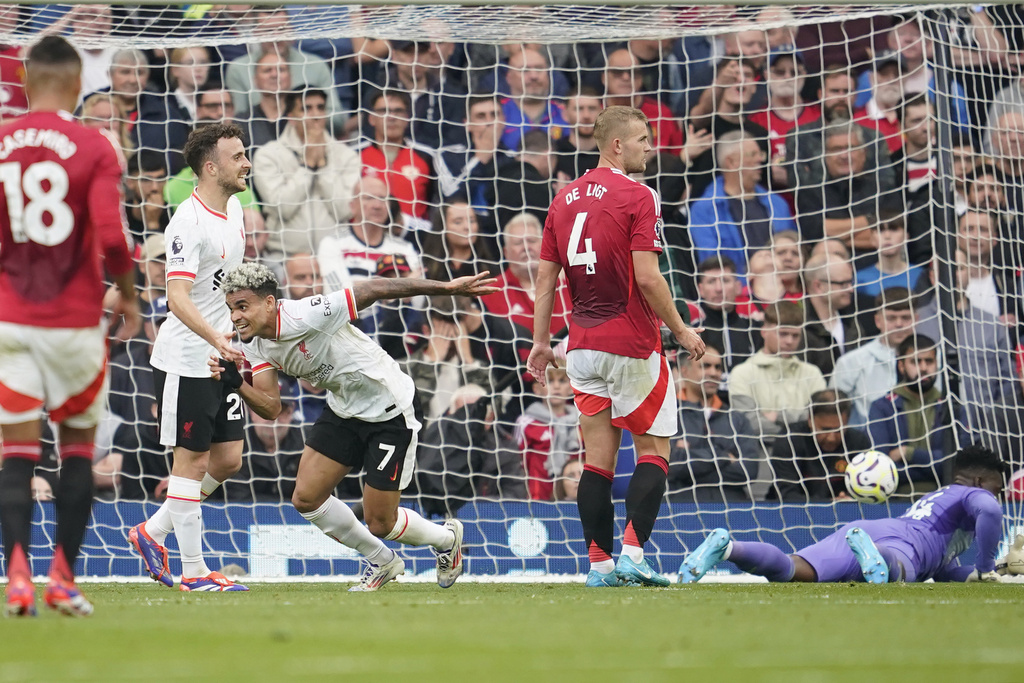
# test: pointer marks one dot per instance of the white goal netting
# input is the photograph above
(843, 193)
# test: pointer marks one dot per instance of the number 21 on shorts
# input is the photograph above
(588, 257)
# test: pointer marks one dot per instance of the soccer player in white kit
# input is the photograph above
(370, 421)
(198, 417)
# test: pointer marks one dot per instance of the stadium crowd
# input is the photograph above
(798, 172)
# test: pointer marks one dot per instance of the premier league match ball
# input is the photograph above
(871, 477)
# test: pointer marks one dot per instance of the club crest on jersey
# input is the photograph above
(177, 246)
(305, 352)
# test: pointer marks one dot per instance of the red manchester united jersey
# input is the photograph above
(60, 211)
(592, 229)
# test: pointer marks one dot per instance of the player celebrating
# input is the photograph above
(199, 417)
(370, 421)
(604, 230)
(61, 210)
(922, 544)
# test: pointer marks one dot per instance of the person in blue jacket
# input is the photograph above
(913, 423)
(736, 215)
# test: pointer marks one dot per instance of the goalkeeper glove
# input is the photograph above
(987, 577)
(230, 375)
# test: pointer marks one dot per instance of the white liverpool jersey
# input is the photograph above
(344, 258)
(316, 343)
(202, 246)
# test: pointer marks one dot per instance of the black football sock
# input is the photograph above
(74, 505)
(643, 499)
(597, 513)
(16, 505)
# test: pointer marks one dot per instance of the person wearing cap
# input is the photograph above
(880, 112)
(914, 50)
(786, 110)
(305, 177)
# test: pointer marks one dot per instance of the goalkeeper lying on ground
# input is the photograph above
(922, 544)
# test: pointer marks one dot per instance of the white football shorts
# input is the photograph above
(640, 391)
(61, 369)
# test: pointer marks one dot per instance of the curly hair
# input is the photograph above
(255, 277)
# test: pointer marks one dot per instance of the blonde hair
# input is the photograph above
(613, 122)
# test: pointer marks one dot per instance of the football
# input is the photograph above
(871, 477)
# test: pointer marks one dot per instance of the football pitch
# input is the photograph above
(528, 632)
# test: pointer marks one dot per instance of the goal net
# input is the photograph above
(842, 191)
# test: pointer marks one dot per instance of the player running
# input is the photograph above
(370, 422)
(922, 544)
(604, 231)
(60, 211)
(200, 418)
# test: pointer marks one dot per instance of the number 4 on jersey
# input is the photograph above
(586, 258)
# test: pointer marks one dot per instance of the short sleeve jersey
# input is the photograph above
(315, 342)
(61, 221)
(202, 246)
(592, 229)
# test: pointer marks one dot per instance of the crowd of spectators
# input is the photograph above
(803, 216)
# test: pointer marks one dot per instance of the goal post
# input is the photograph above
(887, 152)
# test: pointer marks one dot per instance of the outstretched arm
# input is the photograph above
(367, 292)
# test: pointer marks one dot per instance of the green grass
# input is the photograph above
(516, 632)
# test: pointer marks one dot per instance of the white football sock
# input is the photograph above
(208, 486)
(187, 515)
(633, 552)
(604, 566)
(412, 529)
(337, 520)
(160, 524)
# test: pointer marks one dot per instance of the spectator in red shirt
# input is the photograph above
(548, 434)
(786, 108)
(881, 111)
(515, 301)
(622, 78)
(405, 166)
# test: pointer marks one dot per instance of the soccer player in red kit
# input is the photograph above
(61, 225)
(604, 231)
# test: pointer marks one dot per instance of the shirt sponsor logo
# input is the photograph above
(320, 375)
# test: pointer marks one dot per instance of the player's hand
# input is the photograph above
(131, 315)
(541, 356)
(987, 577)
(473, 285)
(224, 348)
(690, 340)
(228, 373)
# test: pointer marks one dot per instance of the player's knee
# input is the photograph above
(380, 524)
(304, 501)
